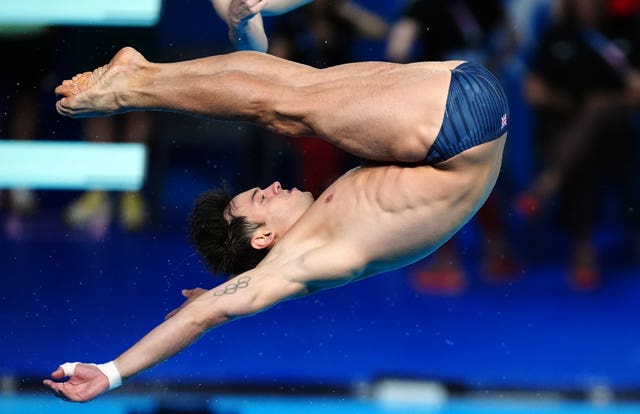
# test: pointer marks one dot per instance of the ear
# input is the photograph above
(262, 239)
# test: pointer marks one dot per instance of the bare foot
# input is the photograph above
(102, 92)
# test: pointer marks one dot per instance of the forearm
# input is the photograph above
(239, 297)
(166, 340)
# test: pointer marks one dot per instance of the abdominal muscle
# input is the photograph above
(375, 219)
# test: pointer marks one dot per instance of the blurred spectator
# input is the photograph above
(91, 47)
(475, 30)
(583, 85)
(28, 59)
(322, 34)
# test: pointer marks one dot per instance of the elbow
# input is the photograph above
(204, 316)
(201, 318)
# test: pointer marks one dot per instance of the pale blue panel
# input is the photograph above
(71, 165)
(81, 12)
(247, 404)
(39, 403)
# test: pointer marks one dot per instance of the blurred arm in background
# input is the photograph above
(244, 18)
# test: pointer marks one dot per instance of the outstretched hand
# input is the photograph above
(84, 384)
(191, 295)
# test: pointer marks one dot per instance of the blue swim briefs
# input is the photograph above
(477, 112)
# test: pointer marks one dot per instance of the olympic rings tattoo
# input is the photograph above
(232, 288)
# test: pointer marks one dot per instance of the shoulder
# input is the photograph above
(331, 262)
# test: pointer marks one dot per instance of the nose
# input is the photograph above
(275, 187)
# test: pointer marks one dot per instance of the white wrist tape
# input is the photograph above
(109, 370)
(69, 368)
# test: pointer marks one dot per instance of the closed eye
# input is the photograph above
(254, 194)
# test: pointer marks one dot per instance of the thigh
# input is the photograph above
(375, 110)
(378, 112)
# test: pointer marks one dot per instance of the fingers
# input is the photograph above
(190, 293)
(58, 388)
(65, 370)
(187, 293)
(53, 386)
(58, 373)
(173, 312)
(68, 368)
(82, 382)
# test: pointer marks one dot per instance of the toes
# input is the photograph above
(64, 88)
(62, 108)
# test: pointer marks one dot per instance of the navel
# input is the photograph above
(329, 198)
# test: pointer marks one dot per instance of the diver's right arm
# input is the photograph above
(244, 295)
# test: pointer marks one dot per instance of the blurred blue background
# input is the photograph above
(87, 292)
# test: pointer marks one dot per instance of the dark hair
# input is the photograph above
(225, 247)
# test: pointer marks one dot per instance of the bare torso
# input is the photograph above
(377, 218)
(374, 219)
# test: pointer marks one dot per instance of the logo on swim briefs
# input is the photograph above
(503, 121)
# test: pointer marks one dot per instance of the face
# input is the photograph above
(278, 208)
